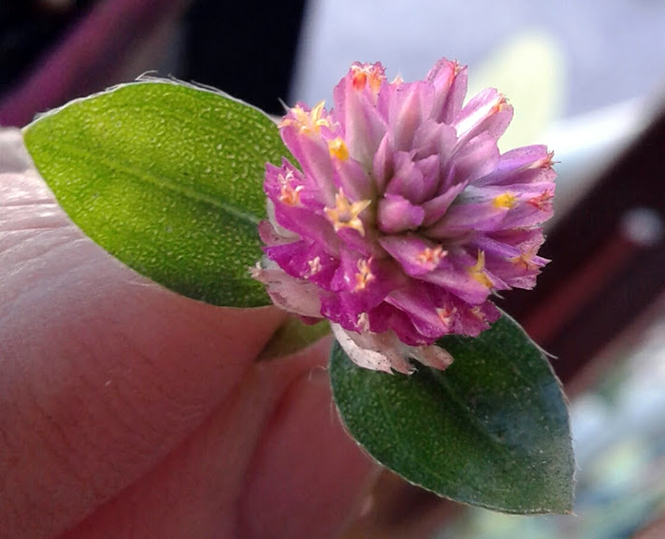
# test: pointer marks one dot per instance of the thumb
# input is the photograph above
(103, 372)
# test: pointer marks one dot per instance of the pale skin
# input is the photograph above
(129, 411)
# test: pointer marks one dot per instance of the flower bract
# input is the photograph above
(401, 218)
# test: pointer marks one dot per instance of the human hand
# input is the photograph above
(129, 411)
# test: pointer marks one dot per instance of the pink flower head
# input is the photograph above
(403, 216)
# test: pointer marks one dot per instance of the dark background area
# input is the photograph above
(245, 48)
(27, 30)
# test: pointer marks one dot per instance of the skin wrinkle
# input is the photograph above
(121, 408)
(16, 239)
(30, 204)
(41, 482)
(28, 217)
(249, 405)
(57, 444)
(126, 401)
(37, 240)
(56, 440)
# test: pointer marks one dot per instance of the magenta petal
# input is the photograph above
(461, 219)
(460, 284)
(414, 180)
(406, 177)
(472, 322)
(421, 310)
(408, 108)
(516, 268)
(429, 168)
(475, 159)
(305, 261)
(286, 184)
(365, 282)
(436, 208)
(272, 236)
(382, 164)
(441, 77)
(487, 112)
(511, 256)
(396, 214)
(513, 164)
(456, 278)
(520, 238)
(402, 324)
(291, 257)
(417, 256)
(350, 177)
(531, 211)
(449, 94)
(307, 224)
(364, 245)
(432, 138)
(363, 125)
(385, 317)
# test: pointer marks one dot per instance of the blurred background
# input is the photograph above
(586, 78)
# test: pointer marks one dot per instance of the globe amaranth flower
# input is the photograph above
(403, 217)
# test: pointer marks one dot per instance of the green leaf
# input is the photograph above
(167, 178)
(492, 430)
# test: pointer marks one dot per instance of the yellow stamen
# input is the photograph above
(545, 162)
(447, 316)
(364, 275)
(478, 313)
(525, 259)
(477, 271)
(504, 201)
(317, 116)
(543, 201)
(431, 256)
(314, 266)
(338, 149)
(367, 74)
(307, 123)
(290, 195)
(345, 214)
(500, 104)
(481, 114)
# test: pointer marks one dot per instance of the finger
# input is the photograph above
(308, 476)
(103, 372)
(273, 461)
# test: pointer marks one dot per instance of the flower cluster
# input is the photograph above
(403, 216)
